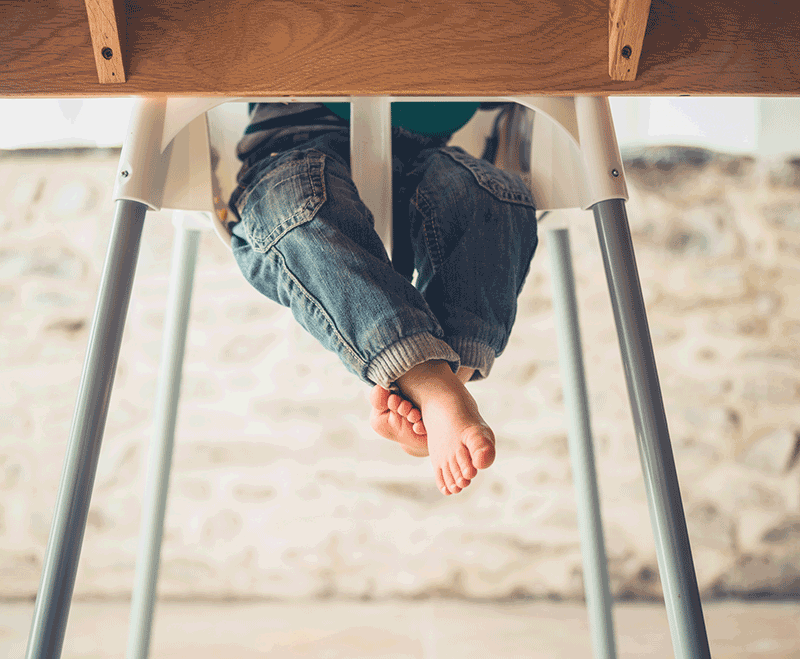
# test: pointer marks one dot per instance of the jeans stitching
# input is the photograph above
(282, 228)
(315, 303)
(428, 227)
(530, 259)
(247, 192)
(263, 245)
(490, 180)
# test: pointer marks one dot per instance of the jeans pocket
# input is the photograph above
(287, 193)
(503, 185)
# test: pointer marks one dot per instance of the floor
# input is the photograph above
(434, 629)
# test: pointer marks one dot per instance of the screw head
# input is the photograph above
(107, 52)
(614, 173)
(626, 52)
(124, 174)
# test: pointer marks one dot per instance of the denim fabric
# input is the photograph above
(307, 241)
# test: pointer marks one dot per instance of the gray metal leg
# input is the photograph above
(184, 257)
(50, 614)
(595, 568)
(678, 578)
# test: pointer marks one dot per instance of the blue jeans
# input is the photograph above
(307, 241)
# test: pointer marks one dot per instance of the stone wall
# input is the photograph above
(281, 490)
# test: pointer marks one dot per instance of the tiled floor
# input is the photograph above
(407, 630)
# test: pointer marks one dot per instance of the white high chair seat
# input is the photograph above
(191, 127)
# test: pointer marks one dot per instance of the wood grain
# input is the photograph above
(627, 20)
(420, 47)
(107, 29)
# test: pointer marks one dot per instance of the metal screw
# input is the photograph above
(614, 173)
(124, 174)
(107, 52)
(626, 52)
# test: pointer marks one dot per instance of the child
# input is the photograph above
(303, 237)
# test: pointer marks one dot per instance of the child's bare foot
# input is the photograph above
(459, 441)
(397, 419)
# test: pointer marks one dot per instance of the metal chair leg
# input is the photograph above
(595, 566)
(678, 579)
(50, 614)
(184, 257)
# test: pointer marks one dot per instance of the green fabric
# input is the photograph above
(433, 118)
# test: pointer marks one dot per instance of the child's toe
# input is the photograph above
(440, 482)
(404, 408)
(480, 442)
(449, 480)
(458, 477)
(465, 463)
(379, 398)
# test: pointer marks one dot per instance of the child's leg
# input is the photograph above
(474, 234)
(473, 229)
(307, 241)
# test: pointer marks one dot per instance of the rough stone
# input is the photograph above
(254, 493)
(710, 527)
(761, 576)
(785, 174)
(666, 159)
(52, 262)
(787, 532)
(773, 451)
(280, 489)
(783, 215)
(73, 198)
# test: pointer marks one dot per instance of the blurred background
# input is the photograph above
(280, 491)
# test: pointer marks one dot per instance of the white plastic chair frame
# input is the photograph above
(165, 163)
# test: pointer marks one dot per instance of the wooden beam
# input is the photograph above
(627, 20)
(401, 48)
(108, 29)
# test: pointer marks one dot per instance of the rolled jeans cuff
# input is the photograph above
(402, 356)
(473, 354)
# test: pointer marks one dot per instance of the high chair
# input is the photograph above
(165, 163)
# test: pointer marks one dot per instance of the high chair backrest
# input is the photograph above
(572, 139)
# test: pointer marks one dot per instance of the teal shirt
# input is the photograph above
(432, 118)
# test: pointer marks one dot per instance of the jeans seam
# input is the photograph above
(263, 245)
(315, 303)
(428, 227)
(530, 259)
(493, 184)
(308, 164)
(249, 190)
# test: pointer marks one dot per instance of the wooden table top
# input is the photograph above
(419, 47)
